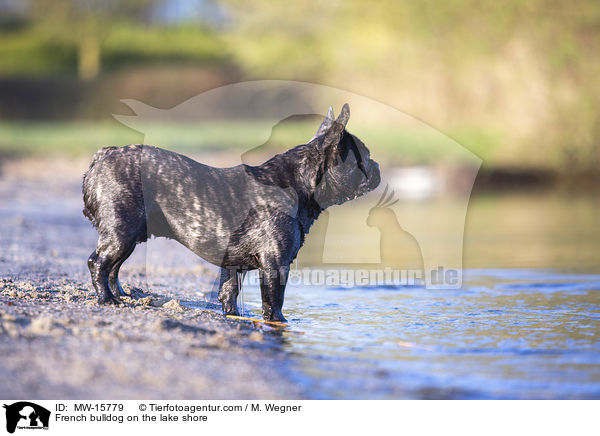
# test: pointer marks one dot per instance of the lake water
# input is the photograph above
(506, 334)
(525, 324)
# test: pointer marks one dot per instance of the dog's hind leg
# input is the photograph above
(97, 264)
(102, 261)
(228, 291)
(113, 276)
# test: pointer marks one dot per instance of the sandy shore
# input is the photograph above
(166, 342)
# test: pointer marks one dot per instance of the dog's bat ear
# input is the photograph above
(326, 124)
(344, 115)
(330, 115)
(334, 134)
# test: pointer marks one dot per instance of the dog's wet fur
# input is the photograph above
(239, 218)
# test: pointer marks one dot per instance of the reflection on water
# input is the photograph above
(506, 334)
(500, 231)
(525, 324)
(533, 231)
(528, 328)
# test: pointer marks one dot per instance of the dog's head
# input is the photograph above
(347, 170)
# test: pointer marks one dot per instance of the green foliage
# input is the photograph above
(36, 49)
(127, 44)
(30, 52)
(516, 82)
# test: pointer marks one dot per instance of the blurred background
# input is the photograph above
(516, 83)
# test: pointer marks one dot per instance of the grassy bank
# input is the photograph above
(391, 146)
(417, 146)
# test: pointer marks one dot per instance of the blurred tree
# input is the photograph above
(525, 71)
(41, 38)
(86, 22)
(514, 81)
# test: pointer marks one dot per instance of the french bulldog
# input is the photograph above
(240, 218)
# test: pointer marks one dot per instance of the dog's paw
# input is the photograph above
(274, 315)
(231, 311)
(109, 299)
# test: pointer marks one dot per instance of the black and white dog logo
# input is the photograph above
(26, 415)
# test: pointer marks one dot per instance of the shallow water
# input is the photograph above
(524, 324)
(508, 333)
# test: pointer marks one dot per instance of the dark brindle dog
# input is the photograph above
(239, 218)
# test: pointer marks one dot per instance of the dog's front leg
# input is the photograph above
(272, 289)
(228, 291)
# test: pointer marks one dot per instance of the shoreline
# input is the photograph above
(57, 342)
